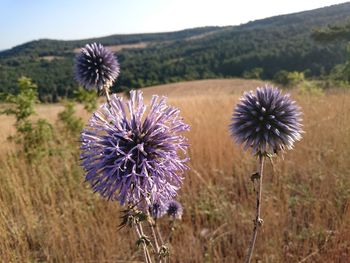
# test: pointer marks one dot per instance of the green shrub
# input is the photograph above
(254, 73)
(22, 104)
(310, 88)
(34, 137)
(71, 123)
(87, 98)
(289, 79)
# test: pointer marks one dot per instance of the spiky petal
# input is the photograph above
(267, 121)
(131, 155)
(96, 67)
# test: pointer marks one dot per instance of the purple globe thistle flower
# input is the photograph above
(96, 67)
(134, 156)
(174, 209)
(157, 210)
(267, 121)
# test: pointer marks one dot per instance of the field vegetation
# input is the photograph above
(47, 213)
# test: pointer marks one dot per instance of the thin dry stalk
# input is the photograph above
(258, 221)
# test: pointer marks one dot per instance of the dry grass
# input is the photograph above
(50, 58)
(48, 214)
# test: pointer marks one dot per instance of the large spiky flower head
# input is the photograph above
(267, 121)
(132, 155)
(96, 67)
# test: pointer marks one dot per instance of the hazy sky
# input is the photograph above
(25, 20)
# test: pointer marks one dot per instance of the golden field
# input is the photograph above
(47, 213)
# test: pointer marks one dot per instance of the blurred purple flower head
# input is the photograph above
(156, 210)
(267, 121)
(132, 155)
(96, 67)
(174, 209)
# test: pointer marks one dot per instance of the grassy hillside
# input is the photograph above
(273, 44)
(47, 214)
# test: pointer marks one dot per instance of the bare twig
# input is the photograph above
(314, 253)
(309, 256)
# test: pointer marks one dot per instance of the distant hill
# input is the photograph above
(276, 43)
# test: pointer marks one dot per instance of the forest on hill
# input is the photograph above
(260, 48)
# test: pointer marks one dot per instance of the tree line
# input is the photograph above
(260, 49)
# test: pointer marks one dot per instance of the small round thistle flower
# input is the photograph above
(156, 210)
(267, 121)
(174, 209)
(132, 155)
(96, 67)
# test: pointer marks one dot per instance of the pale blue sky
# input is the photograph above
(26, 20)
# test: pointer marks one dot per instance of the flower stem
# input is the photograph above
(172, 223)
(145, 249)
(106, 91)
(159, 234)
(148, 254)
(156, 242)
(257, 221)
